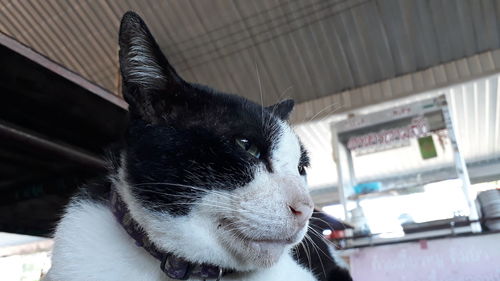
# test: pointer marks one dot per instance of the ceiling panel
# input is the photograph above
(301, 49)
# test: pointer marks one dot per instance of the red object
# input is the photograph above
(423, 244)
(337, 234)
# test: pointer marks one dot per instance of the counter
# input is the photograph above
(462, 258)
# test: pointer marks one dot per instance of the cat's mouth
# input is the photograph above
(272, 241)
(274, 247)
(279, 241)
(264, 251)
(268, 251)
(291, 239)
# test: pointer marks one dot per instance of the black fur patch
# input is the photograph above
(304, 156)
(282, 109)
(194, 145)
(182, 136)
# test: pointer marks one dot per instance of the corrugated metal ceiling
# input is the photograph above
(303, 49)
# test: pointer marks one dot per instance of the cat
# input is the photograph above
(207, 185)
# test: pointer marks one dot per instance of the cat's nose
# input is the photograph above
(301, 211)
(297, 200)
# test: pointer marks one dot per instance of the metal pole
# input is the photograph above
(22, 136)
(340, 179)
(460, 165)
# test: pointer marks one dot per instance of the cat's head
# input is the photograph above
(211, 177)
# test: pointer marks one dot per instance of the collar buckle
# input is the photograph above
(175, 268)
(219, 276)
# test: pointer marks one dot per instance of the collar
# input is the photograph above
(174, 267)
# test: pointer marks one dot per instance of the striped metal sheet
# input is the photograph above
(305, 49)
(439, 76)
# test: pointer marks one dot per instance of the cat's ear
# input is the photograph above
(146, 73)
(282, 109)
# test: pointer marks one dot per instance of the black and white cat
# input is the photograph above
(206, 182)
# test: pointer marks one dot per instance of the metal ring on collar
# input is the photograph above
(220, 274)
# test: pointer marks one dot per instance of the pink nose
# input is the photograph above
(301, 211)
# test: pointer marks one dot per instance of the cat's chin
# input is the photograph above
(267, 252)
(263, 253)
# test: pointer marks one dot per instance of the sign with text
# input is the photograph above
(389, 138)
(474, 258)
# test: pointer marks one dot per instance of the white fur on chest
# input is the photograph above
(91, 246)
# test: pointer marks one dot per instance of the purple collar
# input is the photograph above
(173, 266)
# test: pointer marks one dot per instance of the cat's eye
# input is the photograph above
(302, 170)
(248, 147)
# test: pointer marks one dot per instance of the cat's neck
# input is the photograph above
(104, 251)
(174, 267)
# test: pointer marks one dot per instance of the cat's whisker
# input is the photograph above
(308, 253)
(261, 93)
(195, 203)
(216, 207)
(282, 97)
(178, 195)
(307, 241)
(321, 111)
(184, 195)
(261, 220)
(238, 230)
(320, 219)
(283, 93)
(234, 208)
(223, 194)
(226, 226)
(188, 186)
(238, 225)
(211, 203)
(324, 240)
(237, 235)
(330, 112)
(326, 222)
(316, 248)
(198, 197)
(297, 251)
(321, 236)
